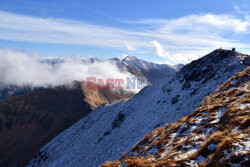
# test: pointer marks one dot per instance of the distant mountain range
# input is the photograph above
(151, 72)
(112, 129)
(32, 116)
(148, 72)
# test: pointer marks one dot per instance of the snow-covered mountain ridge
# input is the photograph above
(152, 72)
(113, 129)
(217, 133)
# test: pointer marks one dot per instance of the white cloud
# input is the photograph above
(159, 50)
(238, 10)
(184, 39)
(189, 36)
(130, 47)
(200, 22)
(19, 68)
(62, 31)
(180, 57)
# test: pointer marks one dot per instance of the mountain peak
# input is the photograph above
(223, 52)
(206, 67)
(130, 58)
(90, 60)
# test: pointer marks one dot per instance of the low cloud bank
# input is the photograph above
(21, 69)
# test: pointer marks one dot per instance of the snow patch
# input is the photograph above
(218, 115)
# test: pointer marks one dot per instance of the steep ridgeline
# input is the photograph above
(111, 130)
(29, 121)
(217, 133)
(152, 72)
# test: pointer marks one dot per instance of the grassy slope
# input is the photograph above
(215, 134)
(29, 121)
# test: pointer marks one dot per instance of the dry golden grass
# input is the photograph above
(212, 137)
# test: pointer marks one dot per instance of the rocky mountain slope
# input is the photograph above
(217, 133)
(113, 129)
(29, 121)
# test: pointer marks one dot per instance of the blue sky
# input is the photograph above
(173, 31)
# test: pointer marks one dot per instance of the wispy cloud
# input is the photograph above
(237, 8)
(184, 39)
(62, 31)
(20, 69)
(178, 40)
(211, 23)
(171, 59)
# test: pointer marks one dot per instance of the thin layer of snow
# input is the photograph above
(195, 163)
(85, 143)
(235, 130)
(165, 153)
(192, 163)
(173, 135)
(218, 115)
(186, 154)
(243, 106)
(198, 120)
(242, 147)
(196, 137)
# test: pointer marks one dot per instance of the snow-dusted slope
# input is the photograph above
(151, 71)
(111, 130)
(133, 61)
(217, 133)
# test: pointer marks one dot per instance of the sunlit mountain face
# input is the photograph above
(29, 111)
(125, 123)
(215, 134)
(129, 83)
